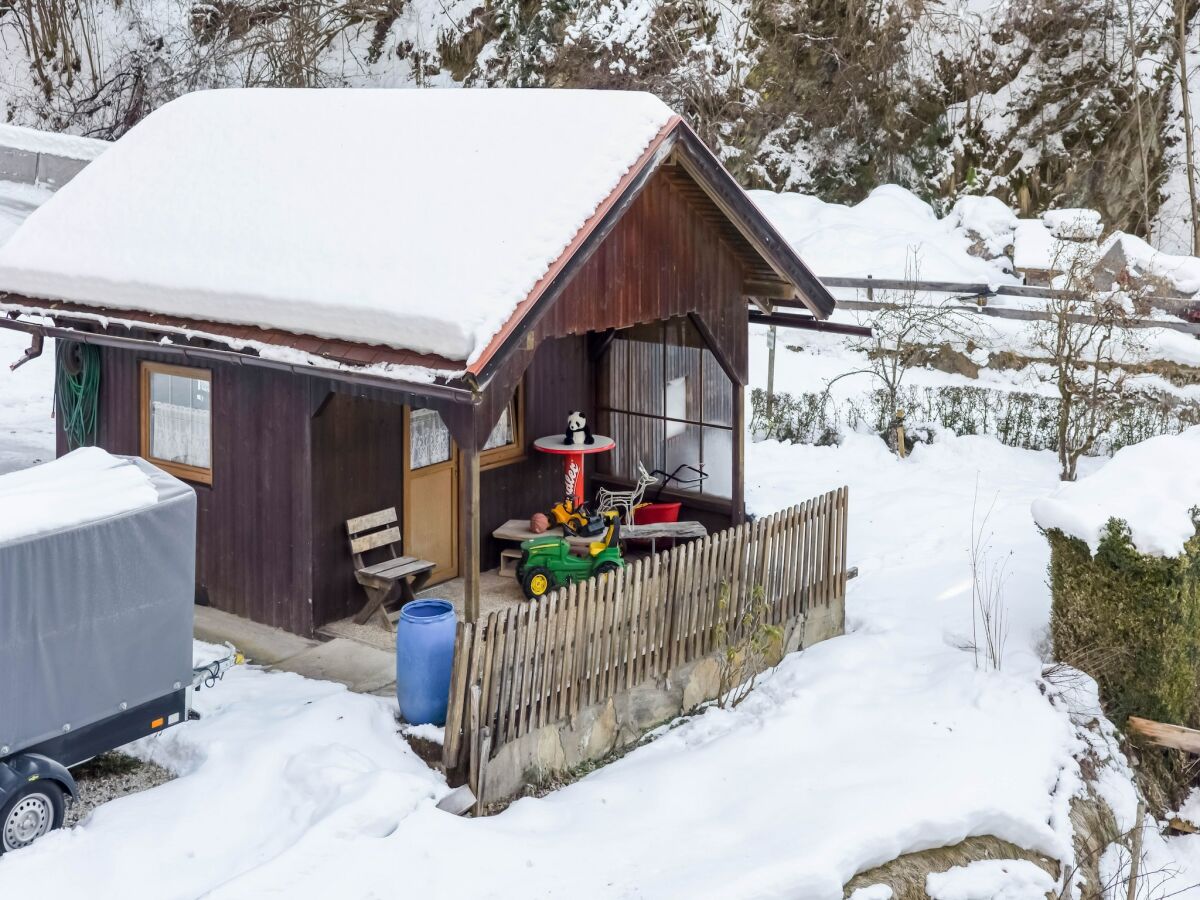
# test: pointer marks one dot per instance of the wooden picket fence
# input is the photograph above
(521, 668)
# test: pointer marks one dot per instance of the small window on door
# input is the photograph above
(506, 443)
(428, 439)
(176, 420)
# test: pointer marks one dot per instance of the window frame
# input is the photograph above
(702, 422)
(198, 474)
(507, 454)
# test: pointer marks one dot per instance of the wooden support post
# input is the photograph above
(771, 338)
(738, 498)
(469, 545)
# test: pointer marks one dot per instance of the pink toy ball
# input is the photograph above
(538, 523)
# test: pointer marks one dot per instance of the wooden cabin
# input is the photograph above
(525, 253)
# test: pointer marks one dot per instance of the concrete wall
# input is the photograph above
(623, 719)
(28, 167)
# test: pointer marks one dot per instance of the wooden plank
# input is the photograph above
(641, 628)
(633, 640)
(546, 654)
(612, 598)
(621, 631)
(590, 638)
(475, 764)
(509, 690)
(566, 665)
(371, 520)
(526, 623)
(463, 645)
(1162, 734)
(689, 604)
(376, 539)
(581, 642)
(474, 676)
(491, 627)
(845, 538)
(787, 586)
(735, 570)
(704, 580)
(654, 605)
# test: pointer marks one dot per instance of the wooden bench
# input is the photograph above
(396, 577)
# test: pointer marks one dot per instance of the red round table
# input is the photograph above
(573, 455)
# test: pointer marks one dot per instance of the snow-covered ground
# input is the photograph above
(885, 741)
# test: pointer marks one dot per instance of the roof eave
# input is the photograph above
(675, 140)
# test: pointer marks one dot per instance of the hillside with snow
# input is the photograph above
(1074, 103)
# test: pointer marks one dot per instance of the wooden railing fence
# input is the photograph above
(521, 668)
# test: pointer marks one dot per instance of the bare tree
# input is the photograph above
(1089, 344)
(908, 324)
(1189, 139)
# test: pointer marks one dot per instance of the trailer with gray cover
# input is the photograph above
(97, 570)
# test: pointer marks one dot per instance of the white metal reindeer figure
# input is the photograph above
(625, 500)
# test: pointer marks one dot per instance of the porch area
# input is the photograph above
(497, 593)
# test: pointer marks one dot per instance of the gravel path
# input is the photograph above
(111, 776)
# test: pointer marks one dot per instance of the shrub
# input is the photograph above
(1015, 418)
(1131, 621)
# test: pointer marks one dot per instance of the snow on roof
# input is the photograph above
(1182, 272)
(1151, 486)
(1038, 247)
(418, 219)
(890, 234)
(84, 486)
(1076, 224)
(31, 140)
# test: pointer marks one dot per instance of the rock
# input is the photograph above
(703, 684)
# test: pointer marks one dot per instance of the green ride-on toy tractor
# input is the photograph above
(547, 562)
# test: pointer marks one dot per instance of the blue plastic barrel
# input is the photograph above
(424, 657)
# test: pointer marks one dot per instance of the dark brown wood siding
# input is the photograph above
(254, 527)
(559, 379)
(357, 468)
(663, 259)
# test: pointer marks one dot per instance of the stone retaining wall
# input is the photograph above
(622, 720)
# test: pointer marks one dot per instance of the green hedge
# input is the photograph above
(1131, 621)
(1016, 418)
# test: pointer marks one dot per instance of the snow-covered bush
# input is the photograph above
(1125, 578)
(1130, 620)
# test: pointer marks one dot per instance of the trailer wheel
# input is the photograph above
(35, 810)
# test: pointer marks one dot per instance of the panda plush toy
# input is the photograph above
(578, 431)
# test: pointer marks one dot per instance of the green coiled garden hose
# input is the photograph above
(77, 392)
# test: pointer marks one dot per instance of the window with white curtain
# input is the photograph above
(177, 420)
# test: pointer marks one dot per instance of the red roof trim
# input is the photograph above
(569, 251)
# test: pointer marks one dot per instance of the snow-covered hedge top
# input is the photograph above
(84, 486)
(1152, 486)
(413, 218)
(66, 145)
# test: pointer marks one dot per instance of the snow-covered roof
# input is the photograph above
(69, 146)
(84, 486)
(416, 219)
(1151, 486)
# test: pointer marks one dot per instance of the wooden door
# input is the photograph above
(430, 492)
